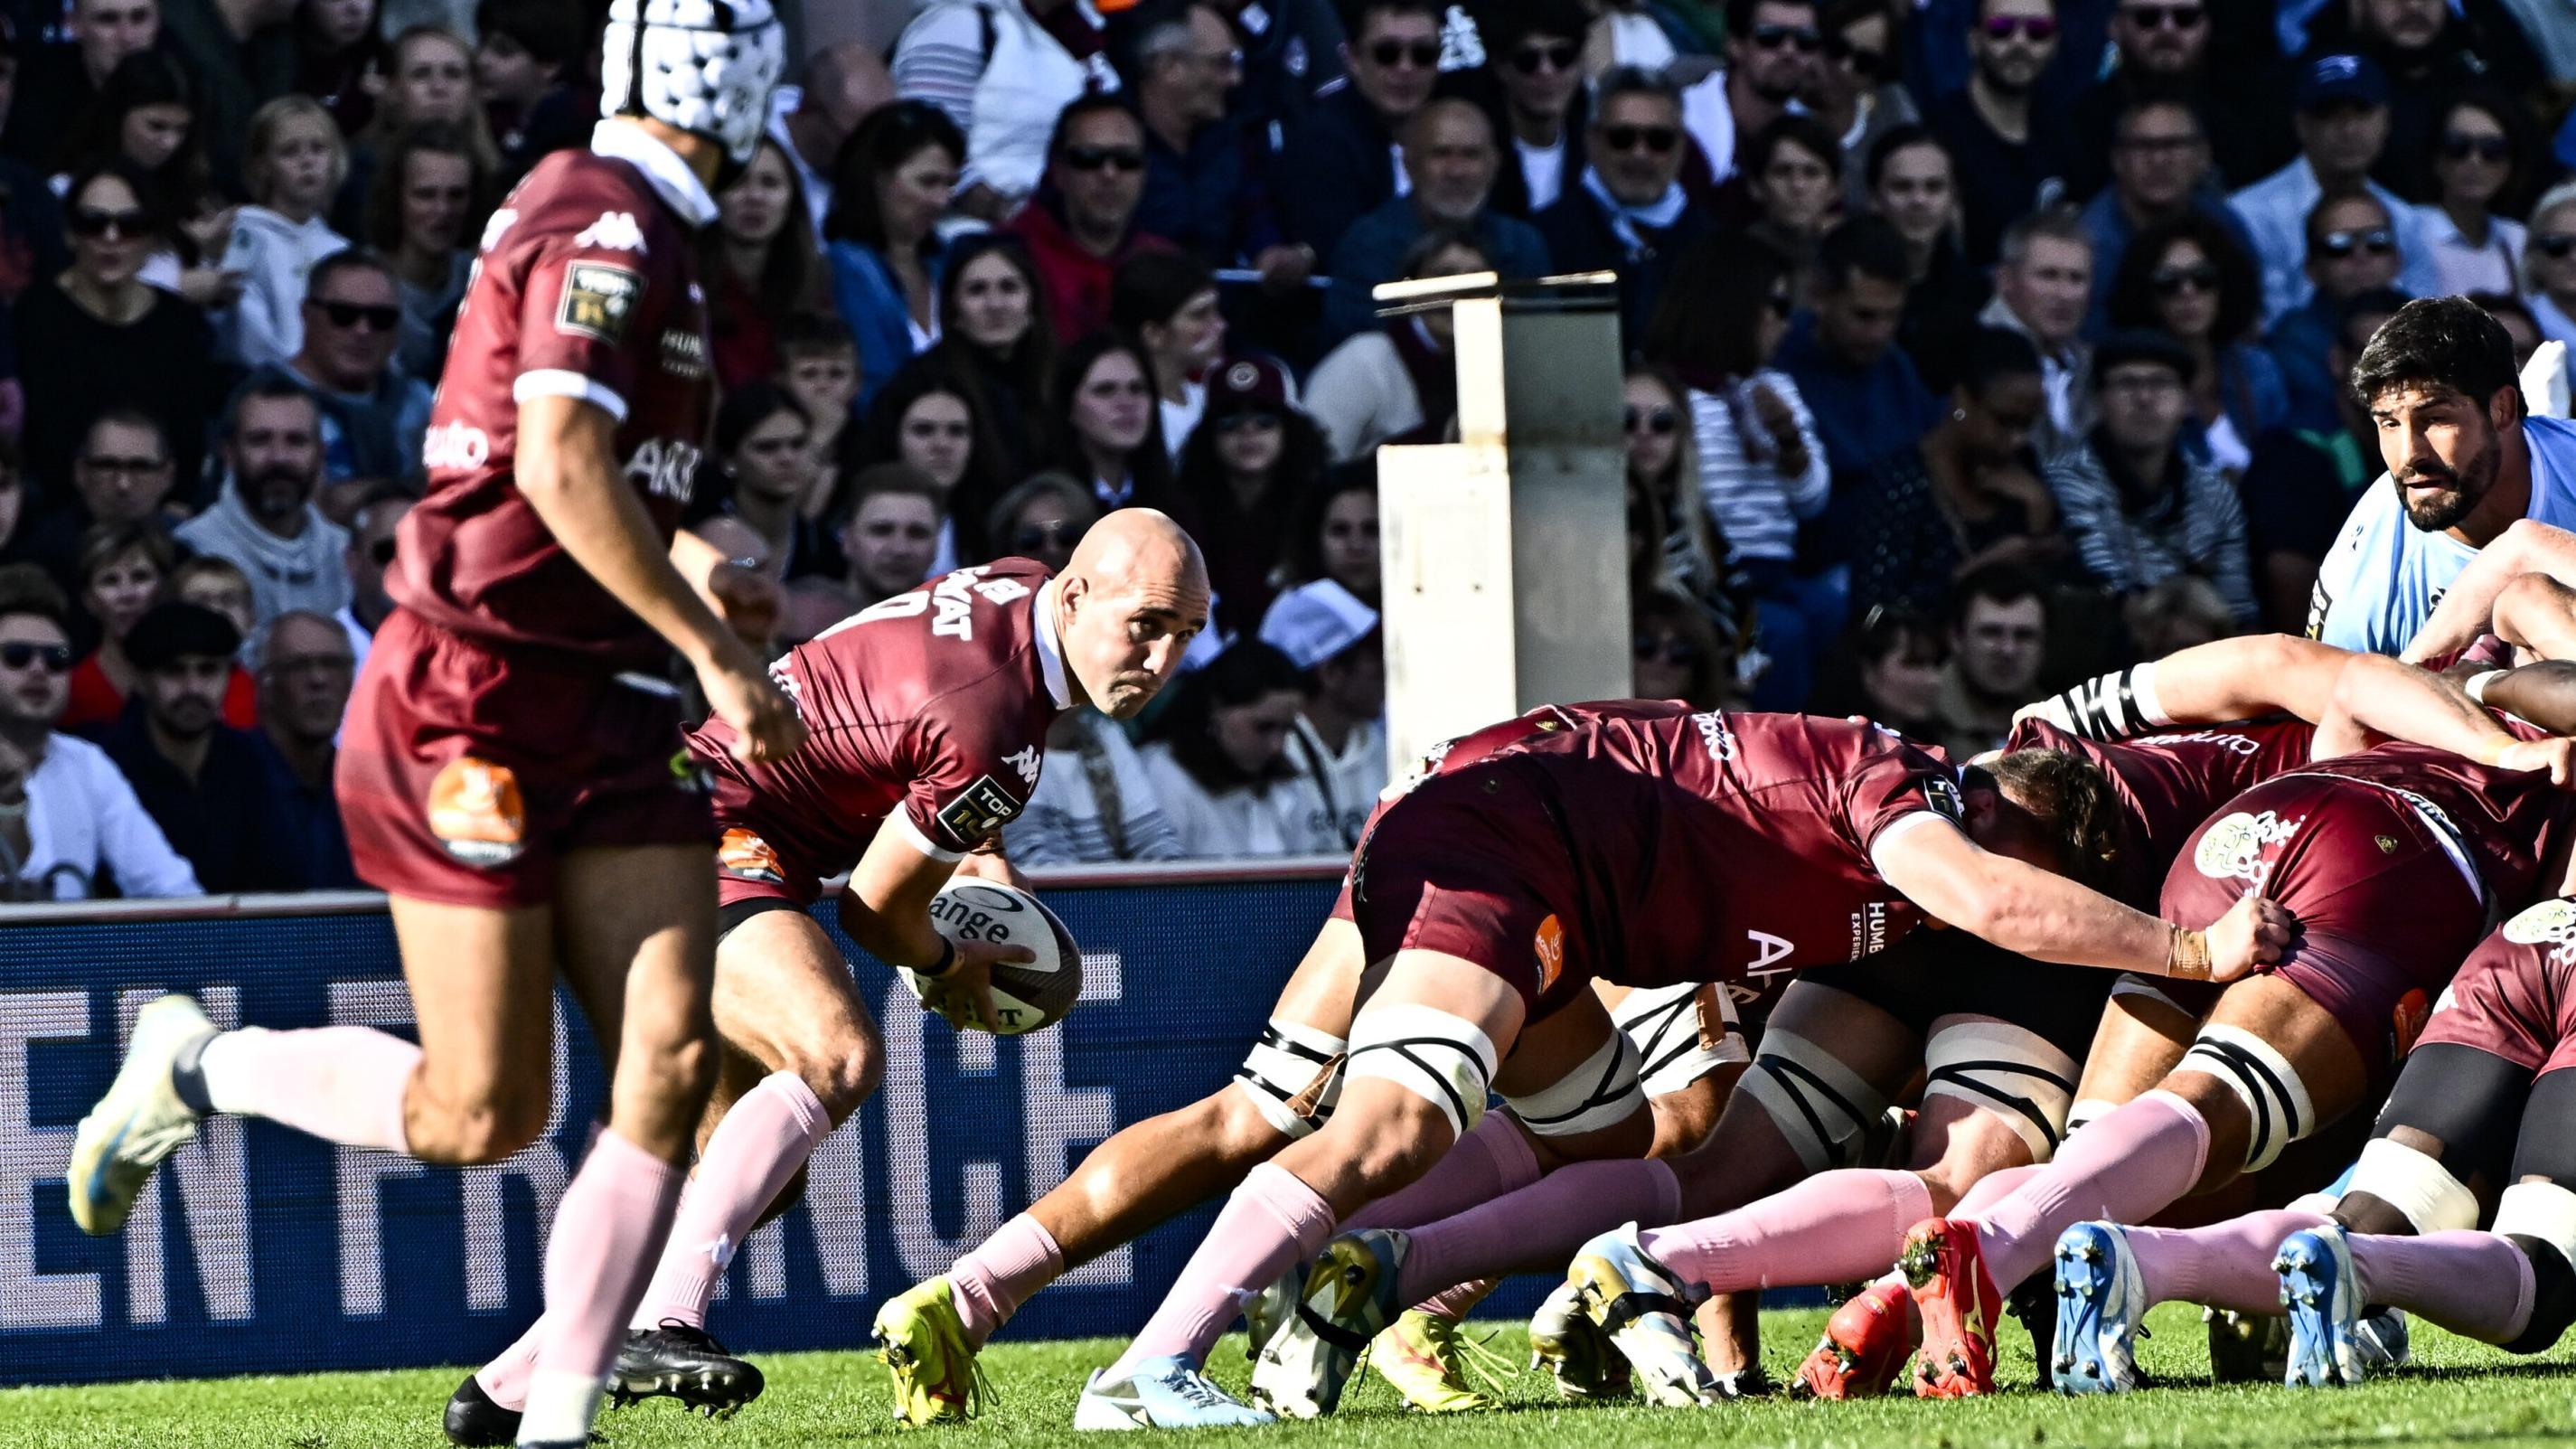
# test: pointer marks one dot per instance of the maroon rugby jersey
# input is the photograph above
(932, 706)
(2170, 783)
(584, 288)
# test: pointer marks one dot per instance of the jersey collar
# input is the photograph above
(1050, 648)
(679, 186)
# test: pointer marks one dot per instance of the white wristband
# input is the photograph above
(2142, 693)
(2476, 686)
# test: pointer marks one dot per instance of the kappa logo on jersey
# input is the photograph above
(1549, 946)
(598, 300)
(1026, 762)
(1942, 794)
(456, 446)
(2233, 848)
(2551, 923)
(684, 352)
(748, 857)
(615, 231)
(664, 468)
(979, 810)
(476, 811)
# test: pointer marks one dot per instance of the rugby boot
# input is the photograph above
(139, 1122)
(1865, 1346)
(676, 1360)
(1958, 1302)
(1645, 1313)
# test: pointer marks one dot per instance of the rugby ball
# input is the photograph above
(1026, 995)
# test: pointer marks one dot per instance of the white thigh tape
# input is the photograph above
(2415, 1184)
(1682, 1033)
(2265, 1079)
(1293, 1073)
(1600, 1093)
(1443, 1059)
(2008, 1070)
(2542, 1210)
(1821, 1106)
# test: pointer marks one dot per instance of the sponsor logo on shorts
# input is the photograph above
(2232, 849)
(2552, 923)
(2387, 844)
(476, 811)
(598, 300)
(746, 856)
(2408, 1022)
(978, 811)
(1549, 947)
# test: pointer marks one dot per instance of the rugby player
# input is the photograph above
(512, 772)
(927, 715)
(1642, 844)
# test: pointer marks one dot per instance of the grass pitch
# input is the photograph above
(2459, 1393)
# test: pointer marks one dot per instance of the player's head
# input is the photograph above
(701, 66)
(2049, 809)
(1127, 605)
(2440, 386)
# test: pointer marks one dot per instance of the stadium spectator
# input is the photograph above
(116, 575)
(2168, 48)
(1336, 534)
(1761, 466)
(892, 532)
(2516, 319)
(84, 826)
(2138, 508)
(2303, 481)
(2477, 164)
(1623, 208)
(1912, 183)
(2189, 279)
(212, 582)
(2010, 159)
(2159, 173)
(1338, 739)
(1107, 429)
(997, 338)
(420, 219)
(1167, 302)
(1792, 174)
(1252, 460)
(2185, 611)
(121, 474)
(1095, 805)
(264, 521)
(526, 54)
(765, 457)
(1083, 222)
(1449, 163)
(305, 671)
(147, 113)
(1894, 657)
(928, 418)
(818, 364)
(2549, 263)
(108, 339)
(198, 778)
(843, 85)
(1219, 761)
(1998, 638)
(1534, 51)
(1042, 519)
(2353, 242)
(1859, 94)
(1398, 382)
(2429, 54)
(2042, 288)
(1292, 54)
(59, 83)
(1841, 351)
(338, 50)
(31, 223)
(1669, 527)
(1207, 185)
(760, 266)
(429, 79)
(889, 186)
(1343, 148)
(374, 416)
(2342, 122)
(294, 163)
(1002, 71)
(1677, 653)
(241, 53)
(1968, 495)
(1771, 67)
(372, 545)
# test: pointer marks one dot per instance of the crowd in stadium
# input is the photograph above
(1976, 347)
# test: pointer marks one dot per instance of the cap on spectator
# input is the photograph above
(2331, 78)
(2140, 344)
(1248, 384)
(1315, 622)
(168, 633)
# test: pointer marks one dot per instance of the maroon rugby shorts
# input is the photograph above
(1472, 865)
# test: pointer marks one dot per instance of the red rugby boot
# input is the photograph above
(1959, 1306)
(1864, 1347)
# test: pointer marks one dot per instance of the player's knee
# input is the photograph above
(1286, 1088)
(2265, 1081)
(1441, 1064)
(1821, 1107)
(842, 1069)
(1595, 1098)
(490, 1128)
(2009, 1079)
(678, 1073)
(2422, 1193)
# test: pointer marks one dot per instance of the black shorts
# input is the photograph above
(1933, 974)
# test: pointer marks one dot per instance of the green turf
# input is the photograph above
(2460, 1393)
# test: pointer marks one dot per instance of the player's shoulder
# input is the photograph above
(591, 202)
(2552, 442)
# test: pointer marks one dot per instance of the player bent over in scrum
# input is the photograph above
(928, 714)
(1487, 896)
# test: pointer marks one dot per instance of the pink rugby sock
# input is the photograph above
(1538, 1227)
(2475, 1284)
(1992, 1188)
(990, 1283)
(343, 1084)
(1491, 1160)
(2224, 1265)
(2123, 1168)
(608, 1232)
(1270, 1224)
(765, 1136)
(1832, 1228)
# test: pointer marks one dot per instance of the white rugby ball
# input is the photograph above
(1027, 995)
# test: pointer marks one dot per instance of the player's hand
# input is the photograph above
(741, 693)
(963, 994)
(749, 600)
(2254, 932)
(2556, 756)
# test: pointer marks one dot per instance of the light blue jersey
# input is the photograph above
(2383, 577)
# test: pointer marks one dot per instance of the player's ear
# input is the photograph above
(1072, 589)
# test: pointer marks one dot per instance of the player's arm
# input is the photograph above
(2468, 605)
(2543, 693)
(886, 909)
(2228, 679)
(2537, 614)
(2030, 912)
(2383, 697)
(748, 600)
(989, 861)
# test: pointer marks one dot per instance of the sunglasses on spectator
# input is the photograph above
(2164, 17)
(345, 315)
(18, 654)
(1807, 38)
(2174, 281)
(2033, 28)
(2460, 146)
(1859, 60)
(2379, 241)
(382, 552)
(1424, 54)
(1531, 59)
(1680, 653)
(2555, 246)
(1236, 422)
(1046, 535)
(93, 221)
(1658, 421)
(1094, 158)
(1658, 139)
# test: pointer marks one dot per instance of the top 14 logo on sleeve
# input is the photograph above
(980, 809)
(598, 300)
